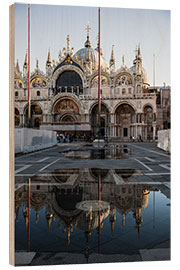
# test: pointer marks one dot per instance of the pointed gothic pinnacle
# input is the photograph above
(26, 58)
(37, 63)
(17, 66)
(68, 44)
(139, 49)
(112, 53)
(123, 60)
(49, 57)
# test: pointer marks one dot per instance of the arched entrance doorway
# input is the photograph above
(124, 119)
(36, 116)
(65, 110)
(148, 121)
(104, 120)
(67, 119)
(17, 117)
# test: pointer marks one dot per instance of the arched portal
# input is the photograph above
(104, 120)
(124, 118)
(36, 116)
(17, 117)
(148, 120)
(65, 110)
(67, 119)
(69, 81)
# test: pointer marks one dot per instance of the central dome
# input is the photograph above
(93, 55)
(87, 53)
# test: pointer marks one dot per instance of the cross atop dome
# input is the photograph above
(88, 28)
(87, 44)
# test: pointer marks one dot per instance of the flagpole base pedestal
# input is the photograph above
(99, 143)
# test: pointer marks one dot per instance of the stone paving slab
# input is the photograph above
(51, 258)
(104, 258)
(158, 254)
(24, 258)
(74, 258)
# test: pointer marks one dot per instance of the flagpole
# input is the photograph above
(153, 70)
(99, 75)
(29, 98)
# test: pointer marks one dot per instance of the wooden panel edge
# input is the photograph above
(11, 134)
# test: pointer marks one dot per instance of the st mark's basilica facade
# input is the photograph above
(65, 97)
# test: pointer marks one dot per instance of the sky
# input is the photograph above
(123, 28)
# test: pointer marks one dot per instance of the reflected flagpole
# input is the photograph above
(99, 69)
(99, 212)
(29, 205)
(29, 97)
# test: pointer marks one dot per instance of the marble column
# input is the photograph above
(21, 123)
(78, 90)
(154, 131)
(136, 131)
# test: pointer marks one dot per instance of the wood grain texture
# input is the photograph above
(11, 136)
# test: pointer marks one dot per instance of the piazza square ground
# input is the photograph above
(91, 204)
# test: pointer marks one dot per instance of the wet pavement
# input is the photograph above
(76, 203)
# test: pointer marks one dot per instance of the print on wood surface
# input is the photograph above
(89, 135)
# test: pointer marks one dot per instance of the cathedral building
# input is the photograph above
(65, 97)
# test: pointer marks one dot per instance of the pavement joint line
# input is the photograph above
(157, 173)
(22, 169)
(165, 166)
(43, 159)
(158, 153)
(147, 167)
(36, 152)
(42, 169)
(167, 184)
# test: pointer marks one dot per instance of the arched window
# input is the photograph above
(16, 94)
(38, 93)
(69, 79)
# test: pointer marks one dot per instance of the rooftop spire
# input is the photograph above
(26, 59)
(87, 44)
(139, 52)
(49, 61)
(68, 44)
(17, 67)
(37, 63)
(49, 57)
(123, 60)
(112, 60)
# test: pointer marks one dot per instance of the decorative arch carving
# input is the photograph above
(38, 82)
(123, 79)
(148, 105)
(96, 103)
(105, 79)
(65, 105)
(33, 104)
(18, 83)
(70, 96)
(124, 103)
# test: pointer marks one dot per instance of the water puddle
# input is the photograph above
(91, 153)
(92, 210)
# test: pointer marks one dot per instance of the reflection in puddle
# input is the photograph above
(111, 152)
(88, 210)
